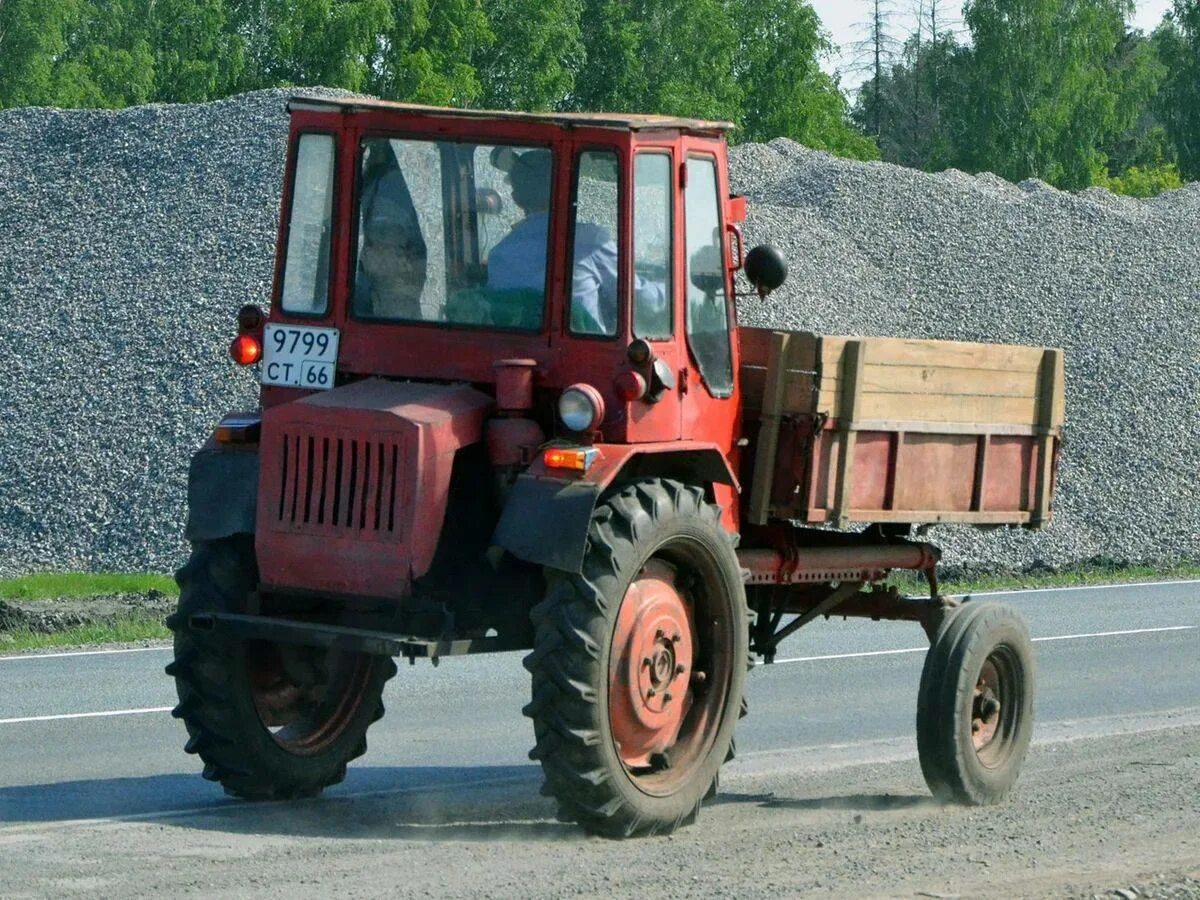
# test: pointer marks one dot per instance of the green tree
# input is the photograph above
(532, 62)
(916, 102)
(308, 42)
(428, 52)
(1044, 93)
(196, 57)
(785, 93)
(108, 61)
(33, 33)
(1178, 102)
(674, 57)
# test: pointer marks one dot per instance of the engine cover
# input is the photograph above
(353, 484)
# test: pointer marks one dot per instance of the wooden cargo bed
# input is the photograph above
(848, 429)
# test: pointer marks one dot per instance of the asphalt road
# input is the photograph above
(88, 736)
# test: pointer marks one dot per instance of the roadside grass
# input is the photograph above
(1081, 577)
(78, 585)
(121, 631)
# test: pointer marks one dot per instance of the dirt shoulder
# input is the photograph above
(1092, 816)
(61, 614)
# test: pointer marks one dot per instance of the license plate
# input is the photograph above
(300, 356)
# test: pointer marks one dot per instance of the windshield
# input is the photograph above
(452, 233)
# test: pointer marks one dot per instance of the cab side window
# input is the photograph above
(595, 268)
(653, 246)
(708, 331)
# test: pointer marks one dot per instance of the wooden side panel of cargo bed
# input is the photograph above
(908, 430)
(778, 379)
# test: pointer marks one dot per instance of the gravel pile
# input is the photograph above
(128, 240)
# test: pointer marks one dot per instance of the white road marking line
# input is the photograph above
(25, 657)
(1057, 637)
(1079, 587)
(1099, 634)
(88, 715)
(798, 659)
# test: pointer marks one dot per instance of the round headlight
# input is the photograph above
(581, 408)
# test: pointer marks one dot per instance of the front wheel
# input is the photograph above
(639, 663)
(269, 721)
(975, 705)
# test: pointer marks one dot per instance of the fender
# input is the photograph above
(222, 491)
(546, 518)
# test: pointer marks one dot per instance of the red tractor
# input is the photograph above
(506, 405)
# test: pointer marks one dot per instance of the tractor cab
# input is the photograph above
(433, 244)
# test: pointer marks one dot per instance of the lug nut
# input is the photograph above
(647, 662)
(679, 669)
(666, 698)
(676, 638)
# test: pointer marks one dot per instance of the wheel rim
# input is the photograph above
(996, 707)
(305, 697)
(669, 671)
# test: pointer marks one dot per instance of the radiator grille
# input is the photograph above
(330, 482)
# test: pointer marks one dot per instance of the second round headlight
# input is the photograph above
(581, 408)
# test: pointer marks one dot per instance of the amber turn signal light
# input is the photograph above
(578, 460)
(245, 350)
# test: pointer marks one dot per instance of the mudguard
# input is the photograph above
(545, 520)
(222, 492)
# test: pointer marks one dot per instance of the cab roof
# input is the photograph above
(617, 121)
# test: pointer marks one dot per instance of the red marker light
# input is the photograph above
(630, 386)
(245, 350)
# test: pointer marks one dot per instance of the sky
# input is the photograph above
(841, 17)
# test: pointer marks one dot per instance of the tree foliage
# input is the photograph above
(1178, 105)
(1058, 89)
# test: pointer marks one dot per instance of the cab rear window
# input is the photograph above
(306, 264)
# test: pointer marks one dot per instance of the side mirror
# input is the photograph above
(766, 269)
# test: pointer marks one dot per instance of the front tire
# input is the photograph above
(639, 663)
(975, 705)
(270, 722)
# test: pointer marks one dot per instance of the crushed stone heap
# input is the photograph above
(129, 239)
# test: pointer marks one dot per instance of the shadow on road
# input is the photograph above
(468, 803)
(857, 802)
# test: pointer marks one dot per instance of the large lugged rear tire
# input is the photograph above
(269, 722)
(639, 663)
(975, 705)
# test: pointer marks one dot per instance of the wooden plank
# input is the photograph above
(768, 431)
(922, 427)
(933, 408)
(925, 516)
(936, 379)
(853, 359)
(944, 354)
(1051, 414)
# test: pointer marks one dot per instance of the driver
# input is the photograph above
(518, 262)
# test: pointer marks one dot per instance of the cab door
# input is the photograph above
(709, 403)
(655, 294)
